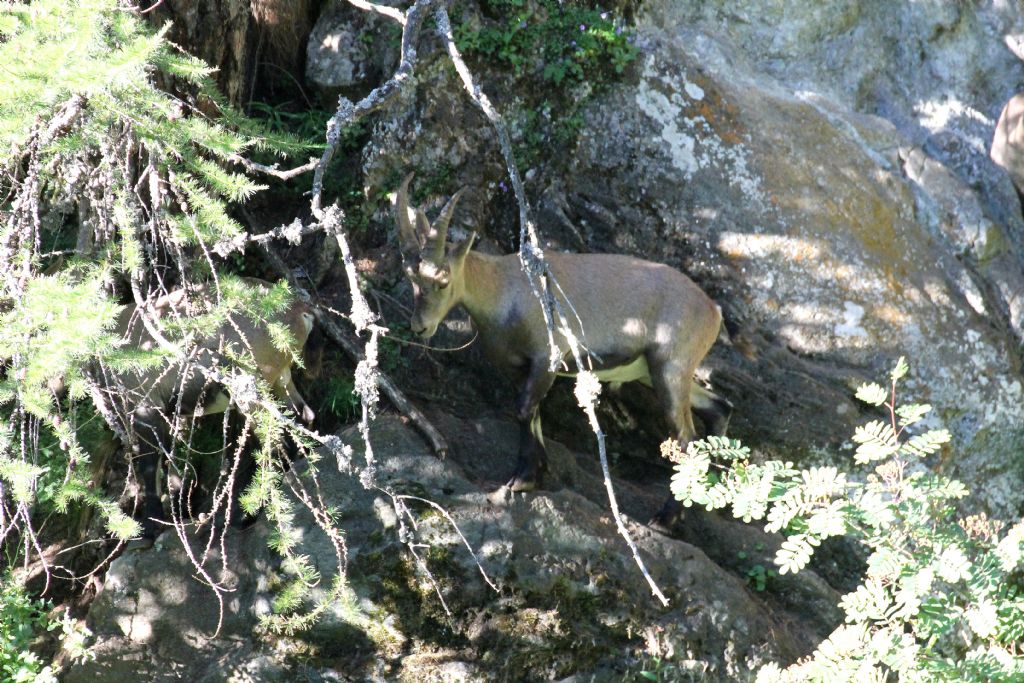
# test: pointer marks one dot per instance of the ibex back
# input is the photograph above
(146, 402)
(638, 321)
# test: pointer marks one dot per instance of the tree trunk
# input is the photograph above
(242, 39)
(221, 33)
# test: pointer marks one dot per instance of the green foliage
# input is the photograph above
(24, 619)
(307, 125)
(567, 51)
(104, 56)
(340, 398)
(758, 576)
(664, 670)
(55, 326)
(569, 43)
(152, 177)
(942, 596)
(21, 620)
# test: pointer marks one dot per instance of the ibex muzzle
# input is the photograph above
(638, 320)
(147, 401)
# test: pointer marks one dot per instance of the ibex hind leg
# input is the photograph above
(673, 385)
(533, 457)
(713, 410)
(678, 395)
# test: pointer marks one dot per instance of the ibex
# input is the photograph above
(1008, 140)
(145, 402)
(638, 320)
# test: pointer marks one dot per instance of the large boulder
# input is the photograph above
(790, 159)
(832, 239)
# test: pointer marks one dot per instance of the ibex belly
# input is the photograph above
(635, 370)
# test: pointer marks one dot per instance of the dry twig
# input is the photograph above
(543, 283)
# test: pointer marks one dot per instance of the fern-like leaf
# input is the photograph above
(927, 443)
(795, 553)
(876, 440)
(720, 447)
(689, 483)
(901, 369)
(912, 413)
(872, 394)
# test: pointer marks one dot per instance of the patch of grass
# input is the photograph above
(338, 398)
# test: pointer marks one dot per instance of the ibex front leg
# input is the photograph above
(151, 443)
(532, 456)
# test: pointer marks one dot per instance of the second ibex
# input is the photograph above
(638, 320)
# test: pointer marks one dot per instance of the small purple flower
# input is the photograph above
(630, 39)
(618, 30)
(503, 186)
(522, 24)
(583, 27)
(572, 43)
(604, 15)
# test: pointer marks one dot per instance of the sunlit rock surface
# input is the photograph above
(833, 239)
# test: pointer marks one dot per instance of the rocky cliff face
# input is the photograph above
(822, 170)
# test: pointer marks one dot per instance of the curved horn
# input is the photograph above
(406, 233)
(423, 229)
(439, 231)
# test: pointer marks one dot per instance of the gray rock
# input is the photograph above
(569, 598)
(350, 51)
(1008, 140)
(822, 171)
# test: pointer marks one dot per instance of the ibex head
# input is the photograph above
(434, 270)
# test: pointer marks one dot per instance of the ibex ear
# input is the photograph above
(422, 226)
(460, 251)
(409, 240)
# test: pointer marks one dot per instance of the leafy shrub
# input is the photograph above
(564, 51)
(943, 596)
(21, 620)
(567, 42)
(145, 182)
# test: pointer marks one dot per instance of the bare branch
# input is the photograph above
(543, 283)
(383, 10)
(333, 330)
(273, 170)
(348, 113)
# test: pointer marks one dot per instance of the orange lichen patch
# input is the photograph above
(721, 116)
(890, 314)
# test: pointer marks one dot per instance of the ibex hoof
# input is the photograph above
(518, 484)
(666, 517)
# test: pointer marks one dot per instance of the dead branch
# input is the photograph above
(543, 283)
(383, 10)
(273, 170)
(348, 112)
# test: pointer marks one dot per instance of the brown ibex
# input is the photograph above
(638, 320)
(145, 403)
(1008, 141)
